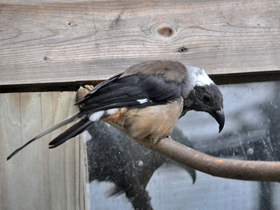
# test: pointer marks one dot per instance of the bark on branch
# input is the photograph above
(220, 167)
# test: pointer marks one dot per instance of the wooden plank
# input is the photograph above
(66, 41)
(10, 123)
(39, 178)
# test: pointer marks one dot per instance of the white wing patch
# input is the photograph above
(198, 77)
(96, 116)
(112, 111)
(142, 101)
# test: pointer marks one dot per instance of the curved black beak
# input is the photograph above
(219, 116)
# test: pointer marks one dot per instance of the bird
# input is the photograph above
(144, 102)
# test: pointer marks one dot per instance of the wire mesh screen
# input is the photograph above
(125, 175)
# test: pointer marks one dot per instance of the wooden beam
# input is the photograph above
(66, 41)
(39, 178)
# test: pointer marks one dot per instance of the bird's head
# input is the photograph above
(202, 94)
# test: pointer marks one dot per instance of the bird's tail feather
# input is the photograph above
(64, 122)
(71, 132)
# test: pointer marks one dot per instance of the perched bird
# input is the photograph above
(144, 102)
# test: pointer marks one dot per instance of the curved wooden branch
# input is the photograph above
(226, 168)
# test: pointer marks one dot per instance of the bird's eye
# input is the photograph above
(206, 98)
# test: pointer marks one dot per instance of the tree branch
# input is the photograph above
(226, 168)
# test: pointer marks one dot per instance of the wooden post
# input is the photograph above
(39, 178)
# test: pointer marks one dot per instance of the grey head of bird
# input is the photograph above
(200, 93)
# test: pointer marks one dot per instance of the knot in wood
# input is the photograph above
(165, 31)
(183, 50)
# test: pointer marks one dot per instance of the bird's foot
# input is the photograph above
(152, 141)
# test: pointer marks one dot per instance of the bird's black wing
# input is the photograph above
(100, 85)
(146, 84)
(137, 90)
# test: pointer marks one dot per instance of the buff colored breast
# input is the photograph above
(152, 123)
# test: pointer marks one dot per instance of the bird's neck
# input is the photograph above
(189, 102)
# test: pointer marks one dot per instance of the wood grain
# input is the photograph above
(66, 41)
(39, 178)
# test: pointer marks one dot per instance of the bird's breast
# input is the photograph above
(150, 123)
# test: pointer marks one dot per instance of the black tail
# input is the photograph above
(71, 132)
(64, 122)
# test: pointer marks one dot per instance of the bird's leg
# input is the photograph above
(154, 141)
(151, 139)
